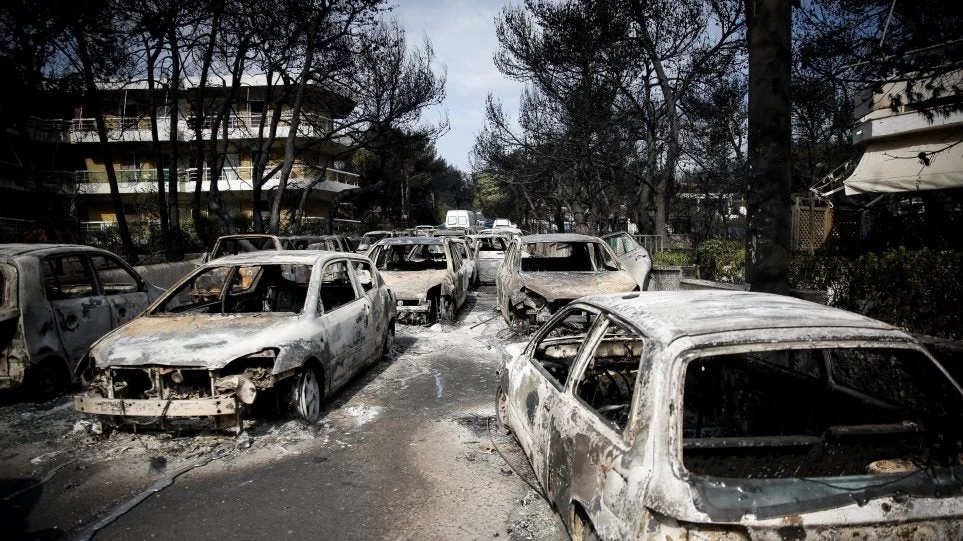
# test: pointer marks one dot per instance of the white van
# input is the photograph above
(460, 219)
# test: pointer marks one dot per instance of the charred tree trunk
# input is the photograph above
(95, 103)
(177, 248)
(769, 193)
(156, 147)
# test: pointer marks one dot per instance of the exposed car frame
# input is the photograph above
(622, 466)
(299, 323)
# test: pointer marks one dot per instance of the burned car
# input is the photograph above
(243, 243)
(734, 415)
(542, 273)
(57, 299)
(299, 324)
(632, 255)
(489, 252)
(428, 275)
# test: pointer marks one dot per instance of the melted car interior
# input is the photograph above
(411, 258)
(242, 290)
(818, 412)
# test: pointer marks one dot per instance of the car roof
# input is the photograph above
(668, 315)
(392, 241)
(44, 249)
(277, 257)
(559, 237)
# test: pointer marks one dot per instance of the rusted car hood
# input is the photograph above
(209, 341)
(572, 285)
(415, 284)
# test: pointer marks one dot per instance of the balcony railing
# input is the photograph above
(239, 125)
(300, 174)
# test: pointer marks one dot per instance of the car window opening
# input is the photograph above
(609, 379)
(412, 258)
(249, 289)
(818, 413)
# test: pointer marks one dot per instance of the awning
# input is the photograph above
(894, 165)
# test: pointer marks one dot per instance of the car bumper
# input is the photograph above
(125, 407)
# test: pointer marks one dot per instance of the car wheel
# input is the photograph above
(647, 281)
(388, 345)
(307, 396)
(501, 409)
(45, 380)
(446, 309)
(582, 528)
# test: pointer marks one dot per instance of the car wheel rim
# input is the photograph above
(309, 397)
(501, 408)
(388, 349)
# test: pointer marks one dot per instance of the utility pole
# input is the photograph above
(768, 234)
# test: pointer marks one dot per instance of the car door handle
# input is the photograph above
(91, 303)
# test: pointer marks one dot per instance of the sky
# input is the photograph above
(462, 33)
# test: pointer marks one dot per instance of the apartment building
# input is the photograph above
(79, 173)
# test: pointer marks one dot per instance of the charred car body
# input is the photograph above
(428, 276)
(541, 273)
(731, 415)
(299, 323)
(632, 255)
(56, 301)
(489, 252)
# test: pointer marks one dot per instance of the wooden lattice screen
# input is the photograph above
(811, 222)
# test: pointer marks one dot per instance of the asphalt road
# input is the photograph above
(404, 452)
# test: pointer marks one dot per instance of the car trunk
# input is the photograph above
(793, 431)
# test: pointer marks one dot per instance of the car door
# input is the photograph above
(125, 291)
(504, 277)
(540, 377)
(374, 323)
(82, 314)
(459, 272)
(342, 314)
(590, 425)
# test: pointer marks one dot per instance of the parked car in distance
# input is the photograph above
(332, 243)
(632, 256)
(298, 323)
(370, 238)
(243, 243)
(735, 415)
(542, 273)
(424, 230)
(428, 276)
(489, 252)
(57, 299)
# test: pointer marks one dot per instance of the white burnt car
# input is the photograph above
(733, 415)
(56, 300)
(428, 275)
(489, 253)
(541, 273)
(299, 323)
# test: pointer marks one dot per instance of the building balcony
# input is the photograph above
(234, 179)
(239, 126)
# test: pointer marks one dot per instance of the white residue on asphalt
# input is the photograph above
(438, 386)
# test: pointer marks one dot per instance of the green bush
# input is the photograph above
(917, 290)
(722, 260)
(672, 258)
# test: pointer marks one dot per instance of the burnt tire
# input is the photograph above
(306, 396)
(388, 344)
(446, 309)
(582, 528)
(45, 380)
(501, 409)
